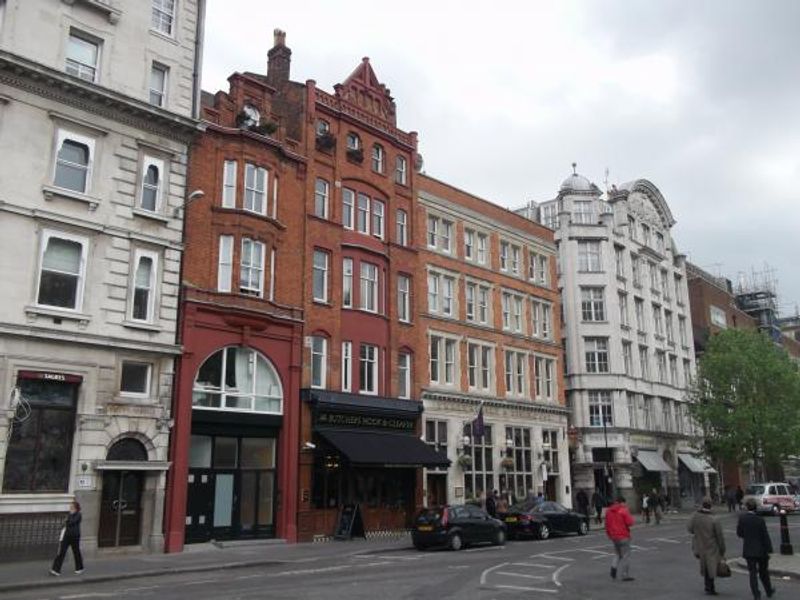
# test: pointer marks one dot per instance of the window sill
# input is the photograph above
(142, 326)
(35, 312)
(146, 214)
(112, 14)
(164, 36)
(51, 191)
(322, 303)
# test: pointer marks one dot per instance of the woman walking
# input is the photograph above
(70, 538)
(708, 544)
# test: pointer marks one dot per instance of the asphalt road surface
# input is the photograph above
(570, 568)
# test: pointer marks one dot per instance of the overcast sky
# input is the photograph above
(701, 98)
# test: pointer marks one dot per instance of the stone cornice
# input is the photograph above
(493, 402)
(47, 82)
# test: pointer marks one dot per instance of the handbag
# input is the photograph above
(723, 570)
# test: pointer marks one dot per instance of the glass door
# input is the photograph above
(120, 509)
(257, 486)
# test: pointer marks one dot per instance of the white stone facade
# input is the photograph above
(626, 305)
(91, 188)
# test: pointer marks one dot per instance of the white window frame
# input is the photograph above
(378, 156)
(256, 191)
(138, 254)
(593, 304)
(323, 362)
(368, 289)
(348, 208)
(80, 288)
(321, 197)
(596, 354)
(446, 371)
(148, 380)
(272, 258)
(229, 173)
(600, 408)
(480, 366)
(404, 375)
(624, 319)
(65, 134)
(81, 67)
(516, 260)
(482, 249)
(469, 244)
(515, 362)
(347, 282)
(162, 93)
(320, 271)
(404, 298)
(504, 248)
(401, 170)
(247, 290)
(159, 10)
(401, 230)
(362, 213)
(644, 362)
(590, 256)
(377, 218)
(225, 261)
(627, 358)
(369, 364)
(347, 366)
(159, 164)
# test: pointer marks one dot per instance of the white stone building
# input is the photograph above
(97, 100)
(628, 339)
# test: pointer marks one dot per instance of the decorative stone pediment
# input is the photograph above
(363, 89)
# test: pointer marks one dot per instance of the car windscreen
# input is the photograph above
(755, 490)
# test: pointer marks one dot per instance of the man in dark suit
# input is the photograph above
(756, 548)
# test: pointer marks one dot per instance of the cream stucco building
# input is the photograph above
(97, 100)
(628, 340)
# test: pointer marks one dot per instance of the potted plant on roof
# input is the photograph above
(355, 154)
(465, 461)
(325, 141)
(265, 127)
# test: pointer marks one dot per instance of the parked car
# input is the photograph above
(456, 527)
(529, 519)
(771, 497)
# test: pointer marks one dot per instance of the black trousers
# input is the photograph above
(68, 542)
(759, 569)
(709, 583)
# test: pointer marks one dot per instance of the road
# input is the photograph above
(568, 568)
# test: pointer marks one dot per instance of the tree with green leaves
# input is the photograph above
(747, 399)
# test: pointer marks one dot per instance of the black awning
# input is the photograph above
(377, 448)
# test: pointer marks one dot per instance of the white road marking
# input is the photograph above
(595, 552)
(89, 595)
(384, 557)
(511, 574)
(199, 582)
(643, 548)
(484, 549)
(557, 573)
(540, 566)
(550, 557)
(666, 540)
(489, 570)
(525, 589)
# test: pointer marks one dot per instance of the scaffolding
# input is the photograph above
(756, 294)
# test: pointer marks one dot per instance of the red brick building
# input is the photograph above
(234, 445)
(490, 334)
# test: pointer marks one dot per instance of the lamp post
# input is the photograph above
(607, 471)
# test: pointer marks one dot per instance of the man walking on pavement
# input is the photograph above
(756, 548)
(599, 503)
(618, 528)
(708, 543)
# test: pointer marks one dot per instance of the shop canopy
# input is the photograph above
(696, 464)
(377, 448)
(652, 461)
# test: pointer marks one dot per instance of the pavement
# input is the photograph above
(205, 558)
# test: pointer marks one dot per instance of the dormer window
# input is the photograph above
(250, 116)
(353, 141)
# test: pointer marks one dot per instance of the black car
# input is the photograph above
(455, 527)
(539, 520)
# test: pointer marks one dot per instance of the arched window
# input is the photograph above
(72, 165)
(127, 449)
(239, 379)
(150, 184)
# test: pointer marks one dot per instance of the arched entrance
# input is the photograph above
(237, 401)
(121, 500)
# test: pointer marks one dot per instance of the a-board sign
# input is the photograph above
(350, 523)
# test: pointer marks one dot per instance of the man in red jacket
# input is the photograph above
(618, 528)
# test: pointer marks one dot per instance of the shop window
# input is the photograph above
(238, 379)
(479, 473)
(39, 450)
(436, 438)
(518, 477)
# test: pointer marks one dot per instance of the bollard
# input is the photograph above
(786, 546)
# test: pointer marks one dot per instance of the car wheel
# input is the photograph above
(419, 546)
(499, 538)
(583, 527)
(544, 531)
(456, 543)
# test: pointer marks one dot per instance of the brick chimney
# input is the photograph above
(280, 59)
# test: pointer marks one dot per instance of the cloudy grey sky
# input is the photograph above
(700, 97)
